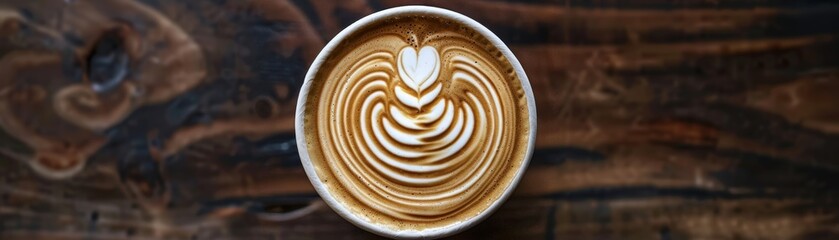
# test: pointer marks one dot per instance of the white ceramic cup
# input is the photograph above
(344, 210)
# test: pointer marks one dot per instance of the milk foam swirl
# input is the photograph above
(414, 144)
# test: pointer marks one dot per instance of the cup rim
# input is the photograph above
(346, 212)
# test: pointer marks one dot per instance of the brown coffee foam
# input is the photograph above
(350, 176)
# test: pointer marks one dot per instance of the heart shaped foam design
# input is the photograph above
(418, 72)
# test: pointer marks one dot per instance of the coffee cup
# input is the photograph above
(415, 122)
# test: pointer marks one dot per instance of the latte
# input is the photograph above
(415, 121)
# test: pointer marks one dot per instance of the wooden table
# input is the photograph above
(658, 119)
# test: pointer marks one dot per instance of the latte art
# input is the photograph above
(417, 125)
(437, 134)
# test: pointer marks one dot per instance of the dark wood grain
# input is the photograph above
(658, 119)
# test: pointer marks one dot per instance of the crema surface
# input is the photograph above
(416, 122)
